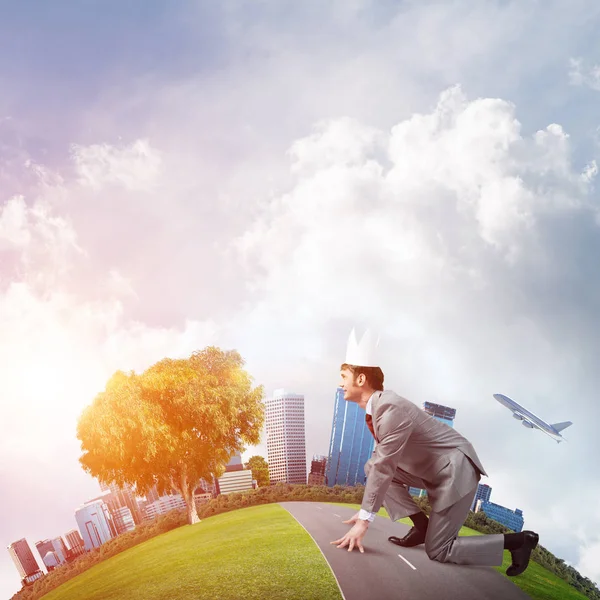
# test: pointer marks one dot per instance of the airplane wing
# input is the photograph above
(527, 422)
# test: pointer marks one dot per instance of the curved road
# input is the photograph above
(386, 571)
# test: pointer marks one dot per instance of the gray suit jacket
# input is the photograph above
(411, 440)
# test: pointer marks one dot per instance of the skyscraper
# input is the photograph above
(44, 547)
(123, 519)
(351, 443)
(74, 539)
(318, 467)
(95, 524)
(122, 497)
(55, 545)
(286, 446)
(445, 414)
(75, 543)
(25, 561)
(234, 481)
(484, 491)
(442, 413)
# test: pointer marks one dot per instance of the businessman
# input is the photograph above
(414, 449)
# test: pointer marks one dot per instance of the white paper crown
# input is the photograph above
(363, 354)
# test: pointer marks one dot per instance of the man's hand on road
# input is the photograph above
(354, 536)
(352, 520)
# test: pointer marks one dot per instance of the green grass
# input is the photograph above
(252, 553)
(536, 581)
(540, 583)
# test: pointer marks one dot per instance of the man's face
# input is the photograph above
(350, 385)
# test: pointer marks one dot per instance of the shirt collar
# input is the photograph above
(369, 407)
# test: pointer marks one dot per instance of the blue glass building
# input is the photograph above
(442, 413)
(351, 444)
(513, 519)
(483, 493)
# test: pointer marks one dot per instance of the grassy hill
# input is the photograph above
(536, 581)
(236, 555)
(233, 556)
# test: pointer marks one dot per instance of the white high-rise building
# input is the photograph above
(286, 445)
(95, 524)
(27, 560)
(164, 505)
(235, 481)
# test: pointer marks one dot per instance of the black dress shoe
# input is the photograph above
(520, 556)
(413, 538)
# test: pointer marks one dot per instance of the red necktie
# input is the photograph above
(369, 420)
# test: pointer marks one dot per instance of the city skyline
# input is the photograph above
(98, 520)
(104, 517)
(265, 177)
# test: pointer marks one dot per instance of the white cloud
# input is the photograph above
(38, 245)
(445, 234)
(580, 74)
(340, 142)
(13, 224)
(135, 167)
(454, 183)
(589, 562)
(590, 171)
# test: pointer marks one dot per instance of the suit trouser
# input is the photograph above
(442, 542)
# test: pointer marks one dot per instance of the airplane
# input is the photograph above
(530, 421)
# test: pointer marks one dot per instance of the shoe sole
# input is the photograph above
(533, 547)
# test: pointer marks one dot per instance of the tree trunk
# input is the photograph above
(187, 492)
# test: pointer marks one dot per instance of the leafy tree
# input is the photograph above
(260, 469)
(179, 421)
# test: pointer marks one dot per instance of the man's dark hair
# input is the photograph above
(373, 375)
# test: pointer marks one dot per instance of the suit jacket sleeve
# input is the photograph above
(394, 427)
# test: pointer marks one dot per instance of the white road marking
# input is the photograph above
(338, 516)
(319, 508)
(411, 566)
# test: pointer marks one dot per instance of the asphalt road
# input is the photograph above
(389, 571)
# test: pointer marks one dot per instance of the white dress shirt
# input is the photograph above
(365, 515)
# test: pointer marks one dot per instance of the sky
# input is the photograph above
(266, 175)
